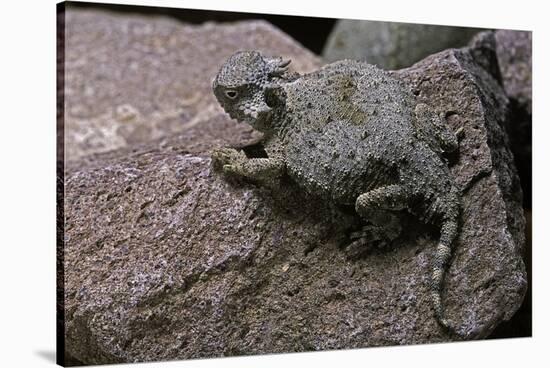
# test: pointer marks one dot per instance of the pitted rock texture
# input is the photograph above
(485, 161)
(167, 259)
(131, 78)
(511, 66)
(391, 45)
(514, 51)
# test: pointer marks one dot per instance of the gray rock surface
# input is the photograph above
(391, 45)
(129, 79)
(166, 259)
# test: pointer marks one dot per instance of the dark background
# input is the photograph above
(312, 33)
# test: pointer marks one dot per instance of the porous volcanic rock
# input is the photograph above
(165, 258)
(514, 53)
(511, 66)
(487, 263)
(132, 78)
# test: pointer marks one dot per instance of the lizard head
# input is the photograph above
(248, 87)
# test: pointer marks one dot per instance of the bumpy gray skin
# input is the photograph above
(348, 133)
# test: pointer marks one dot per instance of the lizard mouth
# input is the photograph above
(254, 115)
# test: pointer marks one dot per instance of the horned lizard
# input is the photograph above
(349, 133)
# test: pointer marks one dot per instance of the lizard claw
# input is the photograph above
(222, 157)
(228, 169)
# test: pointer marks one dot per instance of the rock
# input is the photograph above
(514, 59)
(492, 233)
(391, 45)
(511, 66)
(129, 79)
(514, 53)
(167, 259)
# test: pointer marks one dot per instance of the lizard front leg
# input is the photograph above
(264, 169)
(235, 162)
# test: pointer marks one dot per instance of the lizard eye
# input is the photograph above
(231, 94)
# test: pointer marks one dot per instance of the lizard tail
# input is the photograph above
(441, 259)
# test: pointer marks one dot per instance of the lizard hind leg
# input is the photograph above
(390, 197)
(441, 259)
(378, 207)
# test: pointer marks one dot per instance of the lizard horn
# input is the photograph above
(278, 66)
